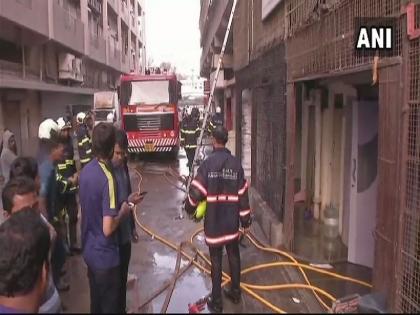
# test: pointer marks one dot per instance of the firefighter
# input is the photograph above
(51, 151)
(216, 120)
(220, 181)
(67, 175)
(84, 142)
(189, 134)
(90, 122)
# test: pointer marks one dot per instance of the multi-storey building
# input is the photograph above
(54, 54)
(329, 138)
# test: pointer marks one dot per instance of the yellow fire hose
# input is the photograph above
(248, 288)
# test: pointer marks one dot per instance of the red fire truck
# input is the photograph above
(149, 112)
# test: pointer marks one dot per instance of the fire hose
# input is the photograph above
(248, 288)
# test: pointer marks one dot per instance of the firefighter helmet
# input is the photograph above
(47, 128)
(81, 117)
(189, 110)
(110, 118)
(63, 123)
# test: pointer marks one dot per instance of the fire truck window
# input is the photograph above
(149, 93)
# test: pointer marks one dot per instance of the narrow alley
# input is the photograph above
(210, 156)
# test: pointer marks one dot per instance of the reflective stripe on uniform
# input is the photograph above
(89, 151)
(87, 160)
(194, 204)
(70, 162)
(221, 239)
(190, 146)
(200, 187)
(189, 132)
(243, 189)
(112, 203)
(244, 213)
(84, 140)
(62, 166)
(223, 198)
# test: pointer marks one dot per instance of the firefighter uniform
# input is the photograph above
(67, 198)
(220, 181)
(84, 144)
(216, 120)
(190, 132)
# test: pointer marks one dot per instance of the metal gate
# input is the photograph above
(408, 269)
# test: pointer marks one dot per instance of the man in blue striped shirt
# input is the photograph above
(100, 222)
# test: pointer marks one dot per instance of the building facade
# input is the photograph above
(329, 139)
(54, 54)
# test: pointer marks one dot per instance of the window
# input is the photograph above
(148, 92)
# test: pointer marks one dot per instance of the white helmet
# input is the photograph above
(81, 117)
(218, 110)
(110, 118)
(189, 110)
(63, 123)
(46, 127)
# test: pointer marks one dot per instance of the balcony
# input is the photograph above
(114, 5)
(23, 12)
(133, 21)
(114, 54)
(68, 30)
(97, 49)
(124, 13)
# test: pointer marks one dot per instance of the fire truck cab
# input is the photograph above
(149, 112)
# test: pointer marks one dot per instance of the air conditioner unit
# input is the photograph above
(66, 66)
(79, 72)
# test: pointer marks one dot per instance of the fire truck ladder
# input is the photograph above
(207, 110)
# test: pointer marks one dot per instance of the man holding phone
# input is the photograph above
(101, 219)
(126, 228)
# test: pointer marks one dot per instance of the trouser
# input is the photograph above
(132, 222)
(58, 258)
(190, 157)
(234, 258)
(70, 203)
(125, 255)
(105, 286)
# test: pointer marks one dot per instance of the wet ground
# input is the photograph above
(153, 263)
(314, 243)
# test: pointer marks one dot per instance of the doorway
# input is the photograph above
(362, 174)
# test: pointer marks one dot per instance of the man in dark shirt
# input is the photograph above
(24, 247)
(127, 228)
(100, 221)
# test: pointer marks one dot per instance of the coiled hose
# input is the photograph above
(248, 288)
